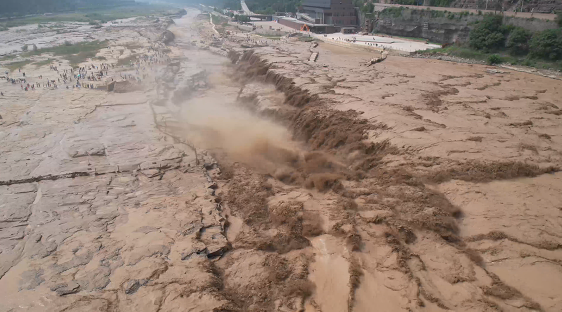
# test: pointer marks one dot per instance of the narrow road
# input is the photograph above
(550, 17)
(245, 8)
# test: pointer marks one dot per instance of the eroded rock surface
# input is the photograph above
(264, 182)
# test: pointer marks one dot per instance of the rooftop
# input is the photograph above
(303, 22)
(317, 3)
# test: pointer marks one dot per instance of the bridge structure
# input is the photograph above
(261, 17)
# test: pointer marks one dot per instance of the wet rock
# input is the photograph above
(66, 288)
(36, 237)
(167, 37)
(31, 279)
(151, 173)
(93, 151)
(132, 286)
(111, 86)
(215, 241)
(197, 248)
(96, 279)
(43, 250)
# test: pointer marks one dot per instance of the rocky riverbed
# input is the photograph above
(234, 174)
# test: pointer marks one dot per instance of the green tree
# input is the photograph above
(242, 18)
(488, 34)
(547, 44)
(369, 7)
(494, 59)
(559, 18)
(518, 41)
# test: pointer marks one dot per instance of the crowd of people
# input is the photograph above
(91, 76)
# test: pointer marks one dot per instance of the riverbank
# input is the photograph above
(427, 139)
(243, 174)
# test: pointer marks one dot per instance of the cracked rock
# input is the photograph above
(66, 289)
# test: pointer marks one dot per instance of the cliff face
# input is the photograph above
(433, 31)
(537, 6)
(442, 27)
(424, 24)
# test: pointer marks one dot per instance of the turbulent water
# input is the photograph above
(237, 179)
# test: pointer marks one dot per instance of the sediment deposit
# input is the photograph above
(240, 176)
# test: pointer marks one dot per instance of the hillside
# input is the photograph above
(24, 7)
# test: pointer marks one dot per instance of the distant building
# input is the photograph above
(306, 26)
(336, 12)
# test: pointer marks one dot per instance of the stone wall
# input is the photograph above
(421, 24)
(442, 27)
(538, 6)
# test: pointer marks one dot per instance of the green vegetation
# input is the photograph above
(396, 12)
(494, 59)
(518, 41)
(392, 12)
(43, 63)
(441, 3)
(490, 40)
(74, 53)
(218, 20)
(405, 2)
(559, 18)
(272, 37)
(21, 8)
(15, 65)
(242, 18)
(94, 17)
(489, 34)
(126, 60)
(232, 5)
(469, 53)
(493, 42)
(459, 51)
(8, 57)
(368, 8)
(68, 48)
(547, 44)
(306, 39)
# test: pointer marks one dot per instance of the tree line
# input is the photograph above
(492, 35)
(26, 7)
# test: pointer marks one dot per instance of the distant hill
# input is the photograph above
(25, 7)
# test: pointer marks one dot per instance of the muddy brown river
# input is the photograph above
(239, 176)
